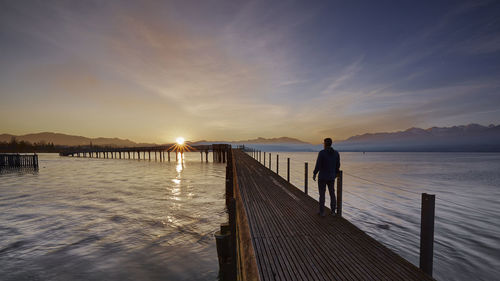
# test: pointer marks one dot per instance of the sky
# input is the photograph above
(151, 71)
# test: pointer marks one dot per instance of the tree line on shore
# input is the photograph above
(15, 146)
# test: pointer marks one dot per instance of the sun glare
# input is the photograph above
(180, 140)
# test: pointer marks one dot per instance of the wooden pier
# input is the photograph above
(156, 153)
(274, 233)
(18, 161)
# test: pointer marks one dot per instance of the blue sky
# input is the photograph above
(154, 70)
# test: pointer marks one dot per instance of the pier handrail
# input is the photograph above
(246, 261)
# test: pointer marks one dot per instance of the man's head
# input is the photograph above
(327, 142)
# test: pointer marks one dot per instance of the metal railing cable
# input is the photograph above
(413, 192)
(382, 184)
(404, 190)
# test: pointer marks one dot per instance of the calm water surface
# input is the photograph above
(104, 219)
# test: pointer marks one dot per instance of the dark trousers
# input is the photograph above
(322, 190)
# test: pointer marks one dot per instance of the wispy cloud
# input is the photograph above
(236, 70)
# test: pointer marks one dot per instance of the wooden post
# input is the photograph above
(339, 193)
(269, 161)
(138, 155)
(427, 232)
(277, 164)
(206, 155)
(288, 169)
(264, 159)
(306, 177)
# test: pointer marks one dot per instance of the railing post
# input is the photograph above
(269, 161)
(277, 164)
(339, 193)
(264, 158)
(427, 232)
(306, 177)
(288, 169)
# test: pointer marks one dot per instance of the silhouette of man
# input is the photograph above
(327, 164)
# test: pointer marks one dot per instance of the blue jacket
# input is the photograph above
(327, 164)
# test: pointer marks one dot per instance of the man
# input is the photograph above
(327, 164)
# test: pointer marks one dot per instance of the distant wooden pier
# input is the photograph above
(274, 233)
(156, 153)
(18, 161)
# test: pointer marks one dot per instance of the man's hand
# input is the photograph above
(314, 177)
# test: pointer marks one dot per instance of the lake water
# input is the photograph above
(105, 219)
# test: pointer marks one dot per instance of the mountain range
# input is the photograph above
(472, 137)
(70, 140)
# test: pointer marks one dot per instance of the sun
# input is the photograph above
(180, 140)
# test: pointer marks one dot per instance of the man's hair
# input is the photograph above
(328, 141)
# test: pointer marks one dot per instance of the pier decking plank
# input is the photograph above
(291, 242)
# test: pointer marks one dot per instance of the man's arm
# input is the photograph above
(317, 167)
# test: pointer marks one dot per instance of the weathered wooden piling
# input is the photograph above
(427, 232)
